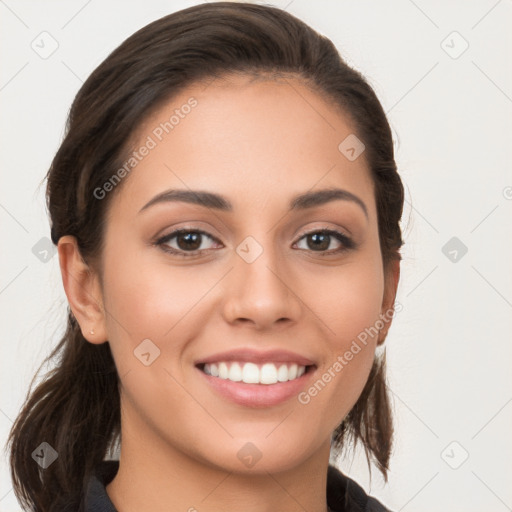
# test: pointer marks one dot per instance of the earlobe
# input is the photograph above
(82, 288)
(391, 285)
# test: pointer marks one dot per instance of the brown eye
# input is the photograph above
(320, 241)
(188, 241)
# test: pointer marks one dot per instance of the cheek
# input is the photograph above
(349, 302)
(349, 307)
(150, 300)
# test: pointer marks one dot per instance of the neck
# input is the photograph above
(154, 476)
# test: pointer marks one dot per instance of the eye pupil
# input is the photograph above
(188, 237)
(323, 238)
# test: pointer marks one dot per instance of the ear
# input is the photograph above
(390, 287)
(83, 290)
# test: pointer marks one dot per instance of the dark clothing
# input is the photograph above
(343, 493)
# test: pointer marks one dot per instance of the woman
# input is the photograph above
(226, 209)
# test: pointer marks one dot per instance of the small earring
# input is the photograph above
(91, 331)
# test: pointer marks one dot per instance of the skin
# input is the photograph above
(259, 143)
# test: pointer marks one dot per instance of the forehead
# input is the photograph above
(244, 138)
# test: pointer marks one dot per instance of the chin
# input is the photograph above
(259, 454)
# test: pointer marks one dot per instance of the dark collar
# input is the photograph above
(96, 497)
(343, 493)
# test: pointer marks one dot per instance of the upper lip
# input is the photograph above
(254, 356)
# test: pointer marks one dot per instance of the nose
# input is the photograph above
(261, 293)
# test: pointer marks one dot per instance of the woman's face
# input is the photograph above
(252, 279)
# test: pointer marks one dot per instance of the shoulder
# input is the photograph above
(346, 495)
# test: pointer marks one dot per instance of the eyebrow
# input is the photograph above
(219, 202)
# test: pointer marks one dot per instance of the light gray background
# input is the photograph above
(449, 350)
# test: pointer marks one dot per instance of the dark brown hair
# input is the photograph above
(76, 408)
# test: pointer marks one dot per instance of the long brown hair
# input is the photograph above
(76, 408)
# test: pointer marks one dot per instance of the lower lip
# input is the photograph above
(258, 395)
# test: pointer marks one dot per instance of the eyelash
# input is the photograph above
(347, 243)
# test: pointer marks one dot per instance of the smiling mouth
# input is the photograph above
(251, 373)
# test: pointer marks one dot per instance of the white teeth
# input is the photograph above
(223, 371)
(250, 373)
(282, 373)
(269, 374)
(235, 373)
